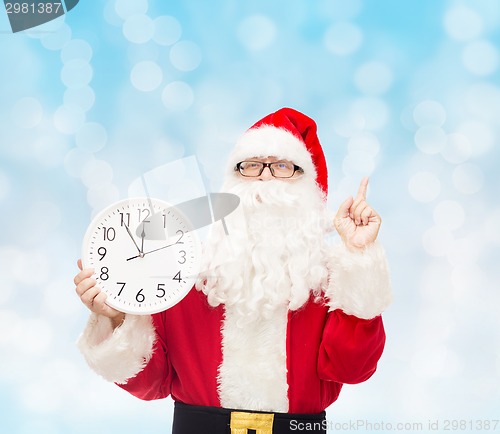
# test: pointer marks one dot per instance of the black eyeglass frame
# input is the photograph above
(264, 165)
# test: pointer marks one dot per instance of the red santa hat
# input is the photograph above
(287, 135)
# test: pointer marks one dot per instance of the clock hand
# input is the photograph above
(141, 254)
(133, 239)
(143, 234)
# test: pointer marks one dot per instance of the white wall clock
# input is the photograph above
(145, 253)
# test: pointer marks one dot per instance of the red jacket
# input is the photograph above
(323, 351)
(290, 361)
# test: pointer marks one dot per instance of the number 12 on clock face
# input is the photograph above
(145, 255)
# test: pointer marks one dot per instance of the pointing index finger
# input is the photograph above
(362, 188)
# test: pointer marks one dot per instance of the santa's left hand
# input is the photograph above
(356, 222)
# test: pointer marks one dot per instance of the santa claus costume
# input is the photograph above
(278, 321)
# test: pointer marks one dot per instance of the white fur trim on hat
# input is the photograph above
(267, 141)
(120, 354)
(359, 282)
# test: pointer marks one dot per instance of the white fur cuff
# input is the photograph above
(359, 283)
(120, 354)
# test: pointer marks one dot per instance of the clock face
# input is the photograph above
(145, 255)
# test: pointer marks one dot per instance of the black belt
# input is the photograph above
(193, 419)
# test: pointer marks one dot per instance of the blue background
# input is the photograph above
(407, 92)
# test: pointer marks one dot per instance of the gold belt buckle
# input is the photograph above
(241, 421)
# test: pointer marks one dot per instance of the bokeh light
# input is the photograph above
(436, 362)
(91, 137)
(429, 113)
(185, 56)
(74, 161)
(76, 73)
(146, 76)
(343, 38)
(491, 228)
(50, 150)
(68, 118)
(256, 32)
(48, 218)
(340, 9)
(430, 140)
(467, 280)
(483, 101)
(5, 186)
(77, 49)
(358, 163)
(101, 196)
(27, 112)
(83, 97)
(373, 78)
(9, 320)
(465, 251)
(481, 58)
(96, 173)
(35, 336)
(457, 149)
(374, 112)
(437, 240)
(138, 29)
(479, 134)
(57, 39)
(424, 186)
(364, 142)
(463, 23)
(468, 178)
(128, 8)
(449, 214)
(177, 96)
(167, 30)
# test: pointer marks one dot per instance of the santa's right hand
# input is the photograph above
(92, 296)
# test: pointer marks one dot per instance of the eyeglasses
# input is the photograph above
(279, 169)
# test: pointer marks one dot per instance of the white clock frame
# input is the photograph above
(142, 274)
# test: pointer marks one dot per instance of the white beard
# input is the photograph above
(275, 253)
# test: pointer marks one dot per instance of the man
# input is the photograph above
(278, 320)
